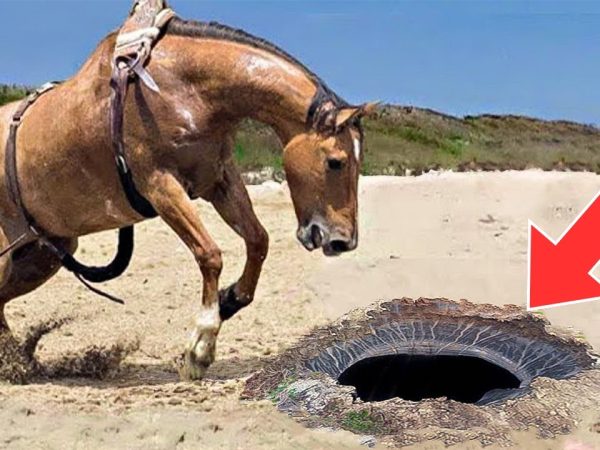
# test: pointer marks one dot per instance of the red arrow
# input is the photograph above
(559, 271)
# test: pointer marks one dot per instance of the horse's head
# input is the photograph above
(322, 168)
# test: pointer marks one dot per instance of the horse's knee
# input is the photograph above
(258, 244)
(211, 262)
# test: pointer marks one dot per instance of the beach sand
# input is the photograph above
(438, 235)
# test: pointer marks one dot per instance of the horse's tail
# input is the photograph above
(111, 271)
(101, 274)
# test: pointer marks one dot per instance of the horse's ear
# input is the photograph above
(345, 115)
(369, 108)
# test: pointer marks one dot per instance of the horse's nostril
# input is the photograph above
(339, 246)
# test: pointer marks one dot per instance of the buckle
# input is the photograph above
(45, 88)
(35, 231)
(121, 164)
(128, 62)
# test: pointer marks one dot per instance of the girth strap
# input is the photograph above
(119, 84)
(35, 232)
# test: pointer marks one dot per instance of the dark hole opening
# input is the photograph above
(415, 377)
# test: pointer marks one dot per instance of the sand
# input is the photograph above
(441, 234)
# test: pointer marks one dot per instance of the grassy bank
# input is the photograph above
(407, 140)
(11, 93)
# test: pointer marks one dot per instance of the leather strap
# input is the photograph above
(34, 231)
(138, 35)
(119, 84)
(14, 190)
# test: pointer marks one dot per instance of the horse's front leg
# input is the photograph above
(233, 204)
(172, 203)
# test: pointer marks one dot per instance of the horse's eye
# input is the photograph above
(335, 164)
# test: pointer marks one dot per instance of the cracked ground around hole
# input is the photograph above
(559, 374)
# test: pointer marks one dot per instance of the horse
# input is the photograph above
(179, 143)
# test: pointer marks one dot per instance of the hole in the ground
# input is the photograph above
(416, 377)
(486, 351)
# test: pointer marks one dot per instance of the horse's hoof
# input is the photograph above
(191, 368)
(188, 372)
(198, 357)
(229, 302)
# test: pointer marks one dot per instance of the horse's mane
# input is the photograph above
(214, 30)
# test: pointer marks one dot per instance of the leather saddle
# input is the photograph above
(141, 30)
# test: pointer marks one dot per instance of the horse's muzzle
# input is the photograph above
(337, 247)
(315, 236)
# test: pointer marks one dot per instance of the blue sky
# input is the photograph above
(540, 58)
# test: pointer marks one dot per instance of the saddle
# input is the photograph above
(142, 29)
(134, 44)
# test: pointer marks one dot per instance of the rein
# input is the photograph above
(134, 45)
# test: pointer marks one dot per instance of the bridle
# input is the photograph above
(134, 45)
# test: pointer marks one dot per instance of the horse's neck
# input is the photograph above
(241, 81)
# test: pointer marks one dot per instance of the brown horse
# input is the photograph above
(179, 147)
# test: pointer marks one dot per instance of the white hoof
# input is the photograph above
(200, 353)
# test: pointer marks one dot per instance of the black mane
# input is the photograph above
(214, 30)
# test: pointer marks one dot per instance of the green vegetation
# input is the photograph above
(256, 147)
(11, 93)
(580, 336)
(281, 387)
(407, 140)
(360, 422)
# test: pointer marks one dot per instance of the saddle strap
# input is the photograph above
(11, 150)
(136, 38)
(34, 231)
(119, 84)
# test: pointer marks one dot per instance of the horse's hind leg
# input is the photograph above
(26, 269)
(5, 266)
(30, 267)
(13, 367)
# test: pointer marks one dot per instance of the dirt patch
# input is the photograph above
(18, 364)
(95, 362)
(15, 366)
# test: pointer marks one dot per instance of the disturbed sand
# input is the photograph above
(450, 235)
